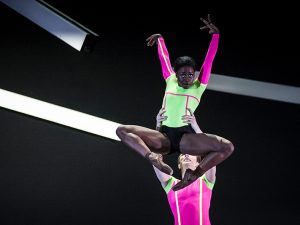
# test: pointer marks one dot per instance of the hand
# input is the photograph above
(191, 119)
(160, 117)
(152, 39)
(209, 25)
(155, 156)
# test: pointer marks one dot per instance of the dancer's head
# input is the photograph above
(186, 161)
(184, 68)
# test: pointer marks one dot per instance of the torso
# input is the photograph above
(177, 100)
(190, 205)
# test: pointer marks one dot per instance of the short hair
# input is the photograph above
(184, 61)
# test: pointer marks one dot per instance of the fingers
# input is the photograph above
(148, 39)
(206, 24)
(208, 18)
(152, 36)
(187, 119)
(208, 21)
(162, 111)
(160, 117)
(191, 112)
(204, 21)
(150, 42)
(152, 39)
(163, 118)
(204, 27)
(214, 28)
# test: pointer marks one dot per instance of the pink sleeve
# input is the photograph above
(206, 66)
(164, 58)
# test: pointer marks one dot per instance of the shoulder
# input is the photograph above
(170, 184)
(172, 78)
(210, 178)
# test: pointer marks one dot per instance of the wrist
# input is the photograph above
(158, 128)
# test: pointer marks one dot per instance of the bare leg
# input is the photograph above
(212, 148)
(145, 141)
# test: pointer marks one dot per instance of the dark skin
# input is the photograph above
(186, 75)
(208, 25)
(212, 148)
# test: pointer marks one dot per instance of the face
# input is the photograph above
(185, 76)
(187, 162)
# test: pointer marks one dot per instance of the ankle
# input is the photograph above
(147, 156)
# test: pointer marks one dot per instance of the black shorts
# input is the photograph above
(175, 134)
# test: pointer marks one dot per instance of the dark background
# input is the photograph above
(51, 174)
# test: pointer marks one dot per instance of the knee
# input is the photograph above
(228, 148)
(122, 130)
(157, 145)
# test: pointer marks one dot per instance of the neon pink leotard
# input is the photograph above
(190, 205)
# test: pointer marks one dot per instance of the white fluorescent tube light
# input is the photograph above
(58, 114)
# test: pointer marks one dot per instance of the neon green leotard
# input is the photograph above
(177, 99)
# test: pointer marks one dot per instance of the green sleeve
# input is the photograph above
(209, 184)
(169, 185)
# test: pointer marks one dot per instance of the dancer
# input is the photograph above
(183, 91)
(190, 205)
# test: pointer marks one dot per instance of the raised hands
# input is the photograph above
(209, 25)
(152, 39)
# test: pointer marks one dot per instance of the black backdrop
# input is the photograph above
(51, 174)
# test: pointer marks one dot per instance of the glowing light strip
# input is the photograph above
(55, 22)
(106, 128)
(58, 114)
(259, 89)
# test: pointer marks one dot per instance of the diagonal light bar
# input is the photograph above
(106, 128)
(55, 22)
(259, 89)
(58, 114)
